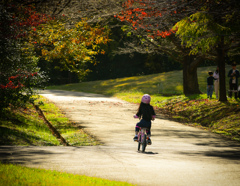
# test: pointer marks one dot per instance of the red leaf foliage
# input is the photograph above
(25, 18)
(138, 12)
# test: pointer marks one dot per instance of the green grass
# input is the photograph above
(166, 90)
(15, 175)
(167, 83)
(212, 115)
(25, 127)
(150, 83)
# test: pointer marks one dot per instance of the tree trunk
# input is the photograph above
(221, 65)
(51, 128)
(190, 78)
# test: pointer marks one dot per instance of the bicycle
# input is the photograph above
(142, 139)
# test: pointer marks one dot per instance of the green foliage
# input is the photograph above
(18, 175)
(200, 32)
(203, 31)
(18, 68)
(72, 46)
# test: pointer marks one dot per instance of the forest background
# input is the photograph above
(68, 41)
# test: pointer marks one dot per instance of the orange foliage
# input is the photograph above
(137, 11)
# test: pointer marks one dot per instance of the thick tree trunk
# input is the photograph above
(190, 78)
(221, 65)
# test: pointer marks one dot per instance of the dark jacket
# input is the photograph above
(236, 75)
(210, 80)
(145, 112)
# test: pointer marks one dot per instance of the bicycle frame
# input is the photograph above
(142, 139)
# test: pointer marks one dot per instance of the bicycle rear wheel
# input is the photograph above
(144, 143)
(139, 142)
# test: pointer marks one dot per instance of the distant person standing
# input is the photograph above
(210, 80)
(233, 81)
(216, 82)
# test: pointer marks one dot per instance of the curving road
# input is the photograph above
(179, 155)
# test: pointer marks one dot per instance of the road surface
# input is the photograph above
(179, 154)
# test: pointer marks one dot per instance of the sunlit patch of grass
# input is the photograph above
(151, 84)
(232, 129)
(79, 138)
(18, 175)
(221, 118)
(24, 127)
(166, 83)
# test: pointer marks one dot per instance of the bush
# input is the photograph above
(18, 66)
(19, 88)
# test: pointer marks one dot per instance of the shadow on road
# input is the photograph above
(151, 153)
(225, 154)
(212, 145)
(21, 155)
(146, 152)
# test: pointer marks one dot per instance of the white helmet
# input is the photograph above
(146, 99)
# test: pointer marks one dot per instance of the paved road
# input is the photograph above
(179, 155)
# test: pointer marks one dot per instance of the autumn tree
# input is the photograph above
(56, 37)
(73, 46)
(72, 38)
(152, 22)
(18, 69)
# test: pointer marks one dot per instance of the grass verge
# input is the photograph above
(168, 99)
(11, 175)
(23, 126)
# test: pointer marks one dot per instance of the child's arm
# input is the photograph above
(153, 114)
(230, 73)
(135, 116)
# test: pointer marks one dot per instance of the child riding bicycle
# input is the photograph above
(146, 113)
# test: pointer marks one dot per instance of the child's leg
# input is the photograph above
(211, 91)
(235, 88)
(137, 128)
(207, 91)
(136, 133)
(148, 132)
(149, 141)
